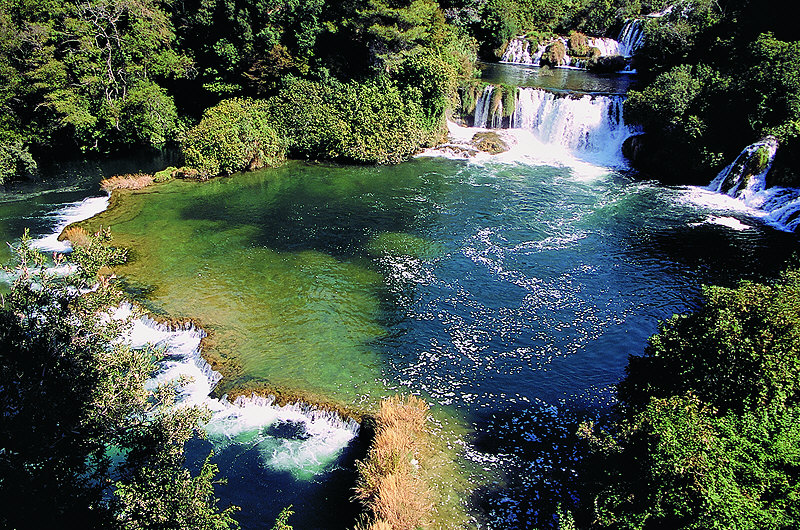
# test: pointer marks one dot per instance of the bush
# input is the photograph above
(710, 424)
(680, 112)
(554, 55)
(741, 350)
(372, 122)
(15, 161)
(234, 135)
(93, 253)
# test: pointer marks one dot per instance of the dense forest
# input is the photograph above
(367, 81)
(706, 432)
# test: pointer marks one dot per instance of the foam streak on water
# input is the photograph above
(296, 437)
(70, 213)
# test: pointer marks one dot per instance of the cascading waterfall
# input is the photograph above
(483, 107)
(591, 124)
(324, 434)
(248, 419)
(605, 45)
(747, 174)
(518, 51)
(631, 37)
(746, 180)
(70, 213)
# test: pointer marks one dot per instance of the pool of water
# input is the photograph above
(557, 79)
(504, 293)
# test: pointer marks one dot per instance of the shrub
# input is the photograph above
(234, 135)
(135, 181)
(554, 55)
(165, 174)
(371, 122)
(93, 253)
(15, 161)
(710, 428)
(578, 45)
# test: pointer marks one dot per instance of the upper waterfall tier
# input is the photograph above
(631, 37)
(746, 180)
(521, 50)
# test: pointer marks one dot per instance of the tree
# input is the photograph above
(232, 136)
(709, 434)
(79, 432)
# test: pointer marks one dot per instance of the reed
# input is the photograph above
(389, 484)
(77, 236)
(133, 181)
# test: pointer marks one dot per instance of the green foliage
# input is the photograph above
(170, 498)
(234, 135)
(165, 174)
(282, 522)
(555, 54)
(358, 122)
(96, 254)
(740, 351)
(15, 161)
(680, 110)
(709, 435)
(748, 84)
(435, 79)
(72, 397)
(682, 36)
(85, 72)
(773, 83)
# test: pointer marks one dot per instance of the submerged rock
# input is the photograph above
(491, 142)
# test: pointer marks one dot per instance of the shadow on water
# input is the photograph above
(321, 502)
(329, 209)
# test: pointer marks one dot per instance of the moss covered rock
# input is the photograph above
(554, 55)
(607, 63)
(491, 142)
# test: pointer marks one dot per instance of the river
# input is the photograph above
(508, 292)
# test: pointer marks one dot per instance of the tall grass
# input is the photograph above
(134, 181)
(389, 485)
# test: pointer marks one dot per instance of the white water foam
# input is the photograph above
(730, 222)
(296, 437)
(70, 213)
(525, 148)
(743, 185)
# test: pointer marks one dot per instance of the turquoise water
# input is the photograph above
(557, 79)
(506, 294)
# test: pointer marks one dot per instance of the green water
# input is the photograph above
(280, 265)
(557, 79)
(496, 291)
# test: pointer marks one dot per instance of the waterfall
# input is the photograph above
(587, 123)
(605, 45)
(253, 420)
(747, 175)
(70, 213)
(518, 51)
(746, 180)
(631, 37)
(482, 107)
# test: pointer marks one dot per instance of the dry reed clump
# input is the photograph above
(389, 485)
(133, 181)
(76, 235)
